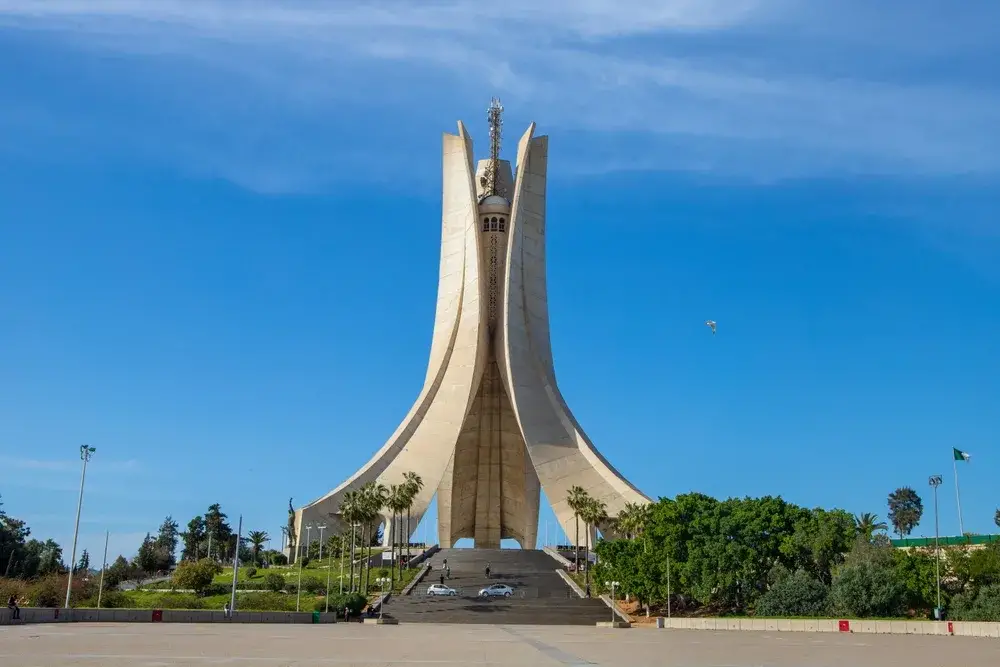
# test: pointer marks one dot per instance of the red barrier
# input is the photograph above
(157, 616)
(844, 626)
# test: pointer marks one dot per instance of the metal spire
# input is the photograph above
(495, 117)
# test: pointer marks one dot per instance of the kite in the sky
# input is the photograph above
(711, 323)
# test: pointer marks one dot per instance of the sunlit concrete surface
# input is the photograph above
(156, 645)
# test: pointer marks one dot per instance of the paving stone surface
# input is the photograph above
(347, 644)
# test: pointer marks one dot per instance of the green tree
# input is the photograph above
(196, 575)
(905, 510)
(374, 496)
(83, 565)
(577, 499)
(351, 512)
(996, 517)
(594, 513)
(120, 570)
(193, 538)
(257, 538)
(867, 524)
(916, 571)
(414, 485)
(146, 560)
(219, 532)
(50, 558)
(396, 502)
(14, 535)
(166, 544)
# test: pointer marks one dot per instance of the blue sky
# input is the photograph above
(219, 227)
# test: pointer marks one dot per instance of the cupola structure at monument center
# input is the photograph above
(490, 428)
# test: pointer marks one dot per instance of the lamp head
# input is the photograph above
(934, 480)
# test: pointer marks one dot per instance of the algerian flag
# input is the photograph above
(960, 455)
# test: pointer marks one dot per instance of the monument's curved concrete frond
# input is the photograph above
(490, 428)
(454, 367)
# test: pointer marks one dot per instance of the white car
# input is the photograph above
(496, 590)
(440, 589)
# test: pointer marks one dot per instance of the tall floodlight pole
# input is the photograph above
(935, 482)
(236, 566)
(104, 566)
(300, 557)
(321, 528)
(343, 543)
(668, 587)
(85, 453)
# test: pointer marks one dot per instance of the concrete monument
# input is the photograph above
(490, 426)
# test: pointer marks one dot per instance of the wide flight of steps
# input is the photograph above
(540, 596)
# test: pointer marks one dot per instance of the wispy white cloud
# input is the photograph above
(252, 91)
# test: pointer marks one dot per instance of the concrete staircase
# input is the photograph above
(540, 597)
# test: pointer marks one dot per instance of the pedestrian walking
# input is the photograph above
(12, 605)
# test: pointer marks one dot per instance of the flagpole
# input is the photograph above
(958, 497)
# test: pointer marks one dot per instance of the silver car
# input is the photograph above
(440, 589)
(496, 590)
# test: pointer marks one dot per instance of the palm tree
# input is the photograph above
(350, 511)
(396, 502)
(866, 524)
(594, 513)
(414, 484)
(577, 500)
(257, 538)
(375, 496)
(996, 518)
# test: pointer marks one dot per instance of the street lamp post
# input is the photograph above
(935, 482)
(612, 585)
(85, 453)
(382, 581)
(321, 527)
(104, 566)
(343, 543)
(298, 554)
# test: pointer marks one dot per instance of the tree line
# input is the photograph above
(769, 557)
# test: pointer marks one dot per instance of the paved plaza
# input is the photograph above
(156, 645)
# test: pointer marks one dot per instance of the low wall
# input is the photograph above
(951, 628)
(427, 553)
(416, 580)
(613, 606)
(572, 584)
(49, 615)
(558, 557)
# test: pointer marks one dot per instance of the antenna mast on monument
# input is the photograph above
(495, 117)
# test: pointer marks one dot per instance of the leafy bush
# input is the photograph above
(866, 590)
(177, 601)
(250, 572)
(265, 602)
(111, 600)
(797, 594)
(15, 587)
(355, 602)
(196, 575)
(49, 591)
(313, 585)
(984, 606)
(274, 582)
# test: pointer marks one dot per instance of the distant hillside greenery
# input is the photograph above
(767, 557)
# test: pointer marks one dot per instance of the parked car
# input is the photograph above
(496, 590)
(440, 589)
